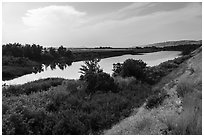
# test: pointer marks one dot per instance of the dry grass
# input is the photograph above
(184, 88)
(189, 122)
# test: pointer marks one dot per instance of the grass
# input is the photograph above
(9, 72)
(189, 122)
(184, 88)
(30, 87)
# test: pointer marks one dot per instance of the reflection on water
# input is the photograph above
(70, 70)
(53, 65)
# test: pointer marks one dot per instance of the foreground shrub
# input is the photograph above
(100, 81)
(68, 124)
(24, 116)
(68, 109)
(155, 100)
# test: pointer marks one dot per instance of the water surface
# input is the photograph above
(72, 72)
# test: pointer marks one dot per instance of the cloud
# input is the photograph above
(138, 9)
(161, 25)
(139, 23)
(53, 15)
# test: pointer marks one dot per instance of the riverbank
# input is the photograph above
(13, 67)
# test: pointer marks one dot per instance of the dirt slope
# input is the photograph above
(148, 122)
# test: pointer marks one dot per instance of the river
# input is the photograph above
(72, 72)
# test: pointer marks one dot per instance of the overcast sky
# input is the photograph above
(100, 24)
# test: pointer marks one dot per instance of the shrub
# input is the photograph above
(90, 67)
(155, 100)
(68, 124)
(100, 81)
(133, 68)
(117, 68)
(154, 74)
(105, 82)
(73, 85)
(22, 119)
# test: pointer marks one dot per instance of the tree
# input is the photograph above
(135, 68)
(117, 68)
(89, 73)
(53, 52)
(61, 51)
(90, 67)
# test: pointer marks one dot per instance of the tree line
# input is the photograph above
(36, 52)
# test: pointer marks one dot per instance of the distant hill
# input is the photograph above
(174, 43)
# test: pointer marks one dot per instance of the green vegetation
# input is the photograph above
(184, 88)
(32, 55)
(156, 99)
(189, 122)
(73, 107)
(36, 52)
(150, 75)
(70, 110)
(25, 59)
(95, 78)
(89, 105)
(184, 48)
(17, 66)
(31, 87)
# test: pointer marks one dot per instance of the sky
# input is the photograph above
(89, 24)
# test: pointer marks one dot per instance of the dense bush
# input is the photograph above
(133, 68)
(68, 109)
(154, 74)
(101, 81)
